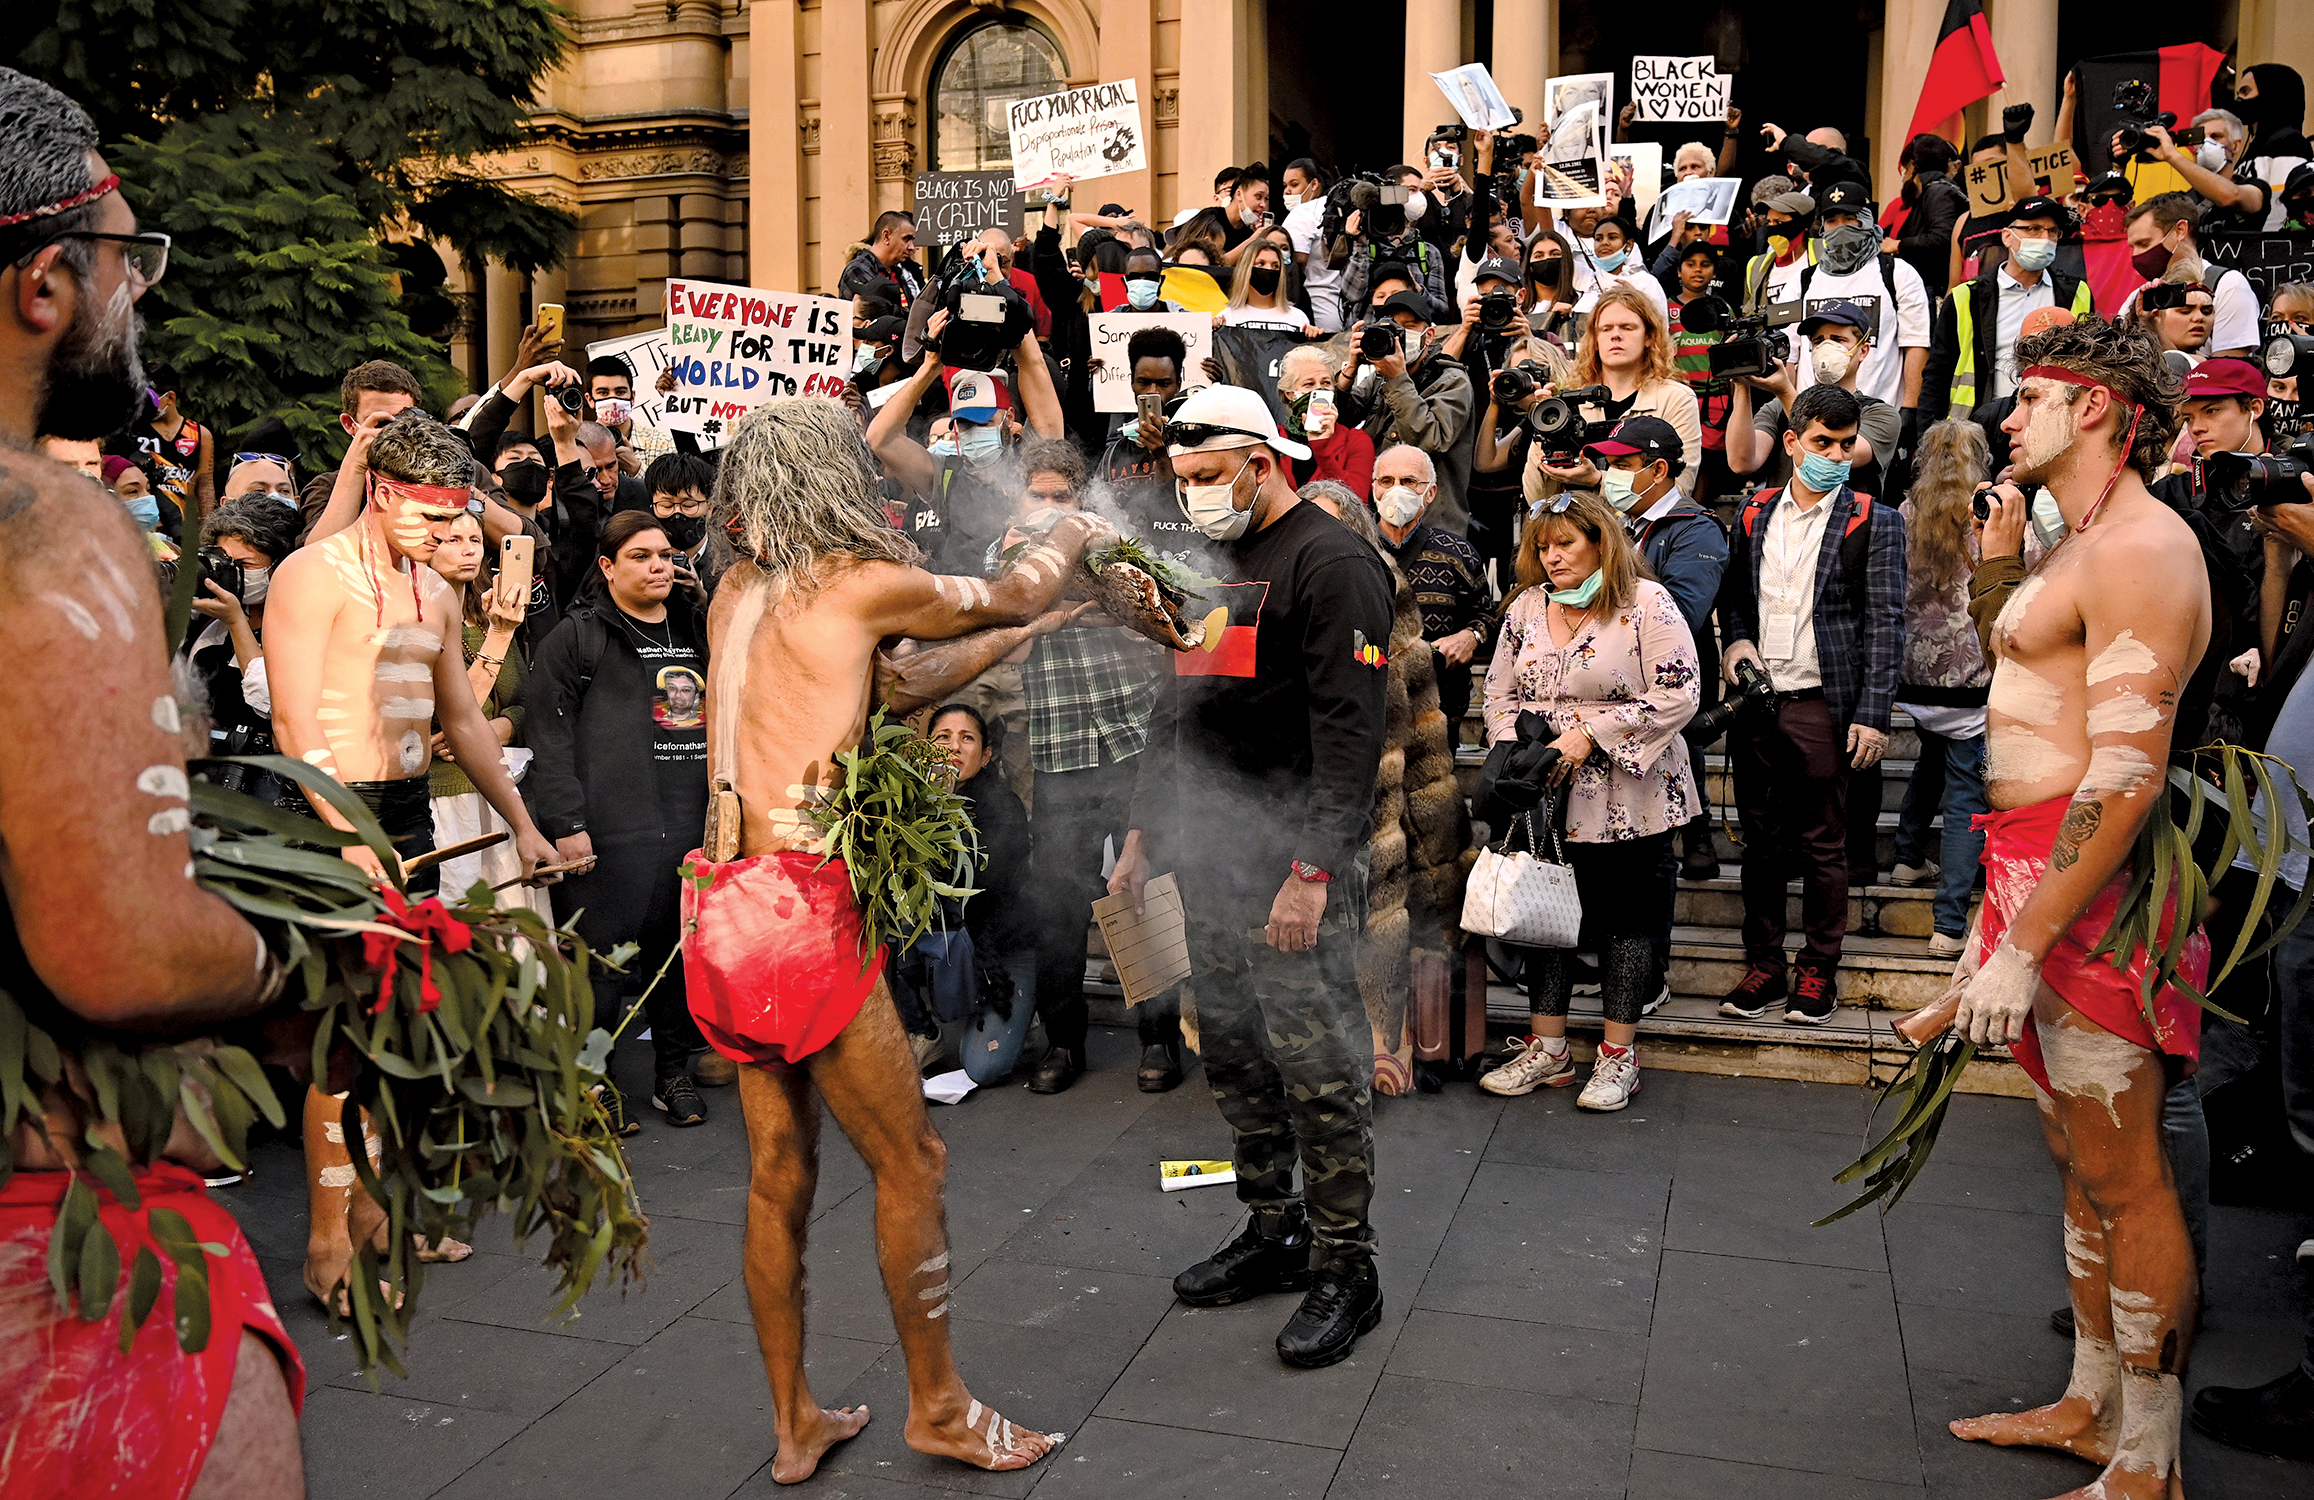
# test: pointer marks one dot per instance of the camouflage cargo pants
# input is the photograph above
(1290, 1057)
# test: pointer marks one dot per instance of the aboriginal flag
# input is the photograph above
(1962, 71)
(1232, 630)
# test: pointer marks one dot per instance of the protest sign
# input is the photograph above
(1681, 90)
(2271, 259)
(1113, 379)
(1991, 191)
(952, 207)
(646, 355)
(1705, 200)
(1574, 171)
(1562, 96)
(1080, 133)
(1472, 92)
(735, 347)
(2288, 414)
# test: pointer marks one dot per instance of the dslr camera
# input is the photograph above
(1495, 312)
(1560, 428)
(1752, 692)
(2236, 482)
(1751, 345)
(1512, 385)
(571, 398)
(2136, 112)
(1444, 148)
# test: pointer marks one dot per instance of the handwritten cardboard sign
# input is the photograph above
(736, 347)
(952, 207)
(1681, 90)
(1087, 132)
(1991, 191)
(1111, 332)
(646, 355)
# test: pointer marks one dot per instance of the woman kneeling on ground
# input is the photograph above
(1600, 651)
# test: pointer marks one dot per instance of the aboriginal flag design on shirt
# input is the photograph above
(1232, 628)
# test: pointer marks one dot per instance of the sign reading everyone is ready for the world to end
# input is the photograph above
(735, 347)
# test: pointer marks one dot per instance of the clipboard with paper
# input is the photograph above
(1150, 947)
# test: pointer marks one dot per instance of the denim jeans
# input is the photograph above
(991, 1043)
(1950, 775)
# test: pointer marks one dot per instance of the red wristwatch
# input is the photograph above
(1310, 872)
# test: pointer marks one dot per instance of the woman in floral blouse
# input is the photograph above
(1600, 651)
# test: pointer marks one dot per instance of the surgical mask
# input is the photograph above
(1293, 200)
(1264, 279)
(980, 445)
(2151, 261)
(1143, 294)
(864, 357)
(1822, 474)
(942, 448)
(1248, 217)
(2035, 255)
(684, 531)
(526, 482)
(1581, 595)
(1830, 361)
(1399, 505)
(145, 510)
(612, 412)
(1616, 485)
(1410, 342)
(1614, 262)
(254, 584)
(1212, 508)
(2211, 156)
(1849, 248)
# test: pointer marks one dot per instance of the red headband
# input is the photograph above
(2070, 377)
(449, 496)
(88, 194)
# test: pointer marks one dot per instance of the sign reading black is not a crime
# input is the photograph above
(952, 207)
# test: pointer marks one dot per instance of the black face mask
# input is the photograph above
(684, 531)
(526, 482)
(1265, 279)
(96, 383)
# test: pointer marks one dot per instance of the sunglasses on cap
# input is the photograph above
(1198, 434)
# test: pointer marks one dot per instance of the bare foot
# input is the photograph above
(445, 1251)
(2130, 1484)
(981, 1438)
(332, 1293)
(800, 1454)
(2069, 1425)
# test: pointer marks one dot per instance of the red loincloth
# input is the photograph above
(78, 1418)
(772, 954)
(2017, 844)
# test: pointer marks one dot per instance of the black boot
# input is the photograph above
(1160, 1067)
(1060, 1067)
(1340, 1310)
(2275, 1418)
(1250, 1265)
(1701, 860)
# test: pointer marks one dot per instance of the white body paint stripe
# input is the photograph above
(2126, 657)
(169, 820)
(2123, 713)
(165, 715)
(75, 614)
(2022, 694)
(164, 781)
(338, 1177)
(938, 1262)
(2090, 1065)
(404, 671)
(2117, 768)
(405, 708)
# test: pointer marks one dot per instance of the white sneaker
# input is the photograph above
(1533, 1066)
(1613, 1081)
(1940, 946)
(1662, 998)
(1923, 873)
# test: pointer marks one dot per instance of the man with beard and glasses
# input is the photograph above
(102, 926)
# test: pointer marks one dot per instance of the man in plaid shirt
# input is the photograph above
(1090, 692)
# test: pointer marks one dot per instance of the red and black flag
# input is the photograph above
(2179, 78)
(1962, 71)
(1232, 631)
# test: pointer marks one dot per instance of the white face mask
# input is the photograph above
(1616, 488)
(1399, 505)
(1293, 200)
(1417, 204)
(1212, 508)
(1830, 360)
(254, 584)
(2211, 156)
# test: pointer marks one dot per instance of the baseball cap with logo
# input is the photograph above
(974, 395)
(1651, 437)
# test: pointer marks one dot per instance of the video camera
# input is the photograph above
(1751, 344)
(2236, 482)
(2286, 354)
(1513, 384)
(2137, 111)
(987, 317)
(1560, 428)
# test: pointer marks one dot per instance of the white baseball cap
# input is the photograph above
(1239, 418)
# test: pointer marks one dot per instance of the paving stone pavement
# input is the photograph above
(1622, 1306)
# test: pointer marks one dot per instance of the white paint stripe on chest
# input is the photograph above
(405, 637)
(403, 671)
(405, 708)
(2024, 695)
(2013, 753)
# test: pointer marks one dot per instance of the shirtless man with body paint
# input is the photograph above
(798, 636)
(362, 640)
(2092, 650)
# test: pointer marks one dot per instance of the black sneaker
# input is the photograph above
(2275, 1418)
(1338, 1311)
(614, 1106)
(679, 1098)
(2062, 1320)
(1249, 1266)
(1059, 1068)
(1160, 1067)
(1761, 991)
(1815, 1001)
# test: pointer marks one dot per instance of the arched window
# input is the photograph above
(979, 75)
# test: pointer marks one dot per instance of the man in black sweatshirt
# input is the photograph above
(1256, 790)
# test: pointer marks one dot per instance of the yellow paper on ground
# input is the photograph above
(1173, 1176)
(1150, 947)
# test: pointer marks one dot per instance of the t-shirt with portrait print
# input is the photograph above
(677, 671)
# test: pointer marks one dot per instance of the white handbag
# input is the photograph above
(1522, 897)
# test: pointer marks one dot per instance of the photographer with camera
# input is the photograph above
(1812, 610)
(958, 489)
(242, 543)
(1837, 336)
(1414, 395)
(2239, 173)
(1491, 320)
(1383, 228)
(1601, 652)
(1978, 327)
(1626, 354)
(1448, 579)
(2168, 228)
(1498, 460)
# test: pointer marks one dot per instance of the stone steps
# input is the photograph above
(1901, 911)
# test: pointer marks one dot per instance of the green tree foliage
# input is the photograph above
(279, 141)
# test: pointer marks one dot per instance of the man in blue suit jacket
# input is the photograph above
(1814, 596)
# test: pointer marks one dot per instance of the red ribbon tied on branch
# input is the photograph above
(430, 922)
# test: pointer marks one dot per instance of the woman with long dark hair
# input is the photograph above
(1001, 913)
(1599, 649)
(616, 701)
